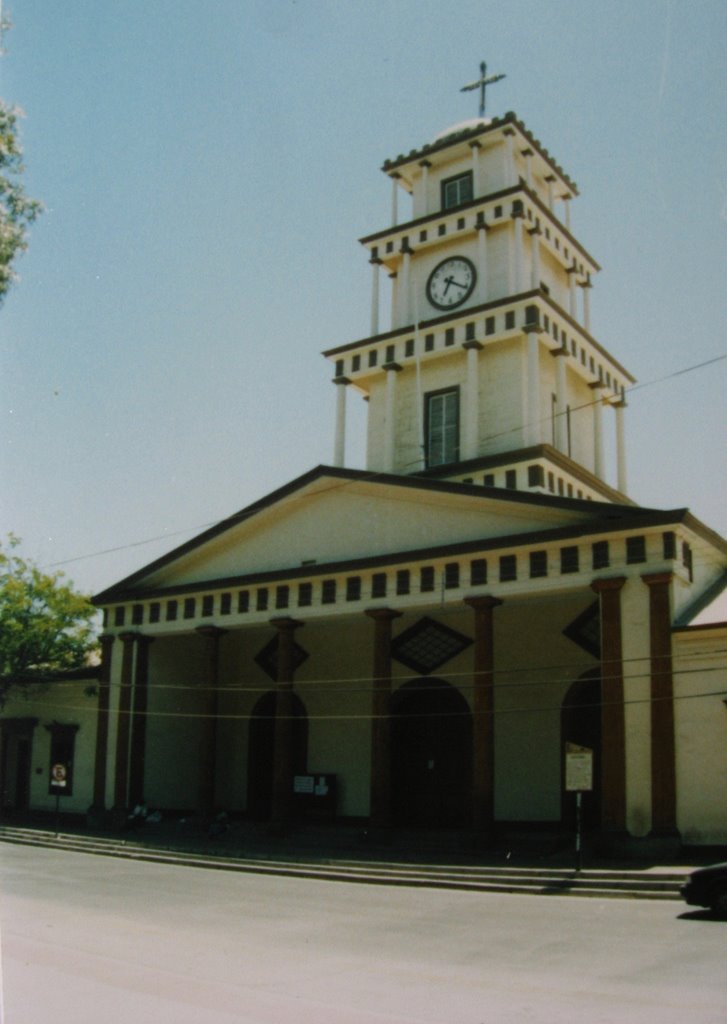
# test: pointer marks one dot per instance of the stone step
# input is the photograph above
(473, 877)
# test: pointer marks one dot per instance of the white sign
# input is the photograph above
(578, 768)
(303, 784)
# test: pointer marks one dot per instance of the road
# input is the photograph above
(93, 940)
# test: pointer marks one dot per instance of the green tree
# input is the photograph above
(45, 626)
(16, 210)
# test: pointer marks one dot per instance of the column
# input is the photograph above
(572, 294)
(561, 401)
(394, 199)
(535, 263)
(405, 287)
(211, 636)
(528, 154)
(121, 775)
(613, 727)
(533, 435)
(380, 800)
(425, 165)
(663, 755)
(472, 400)
(586, 286)
(375, 277)
(283, 766)
(475, 147)
(139, 720)
(518, 247)
(339, 443)
(598, 467)
(621, 479)
(102, 726)
(392, 369)
(510, 177)
(482, 229)
(394, 300)
(483, 726)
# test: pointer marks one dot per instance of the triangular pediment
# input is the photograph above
(331, 516)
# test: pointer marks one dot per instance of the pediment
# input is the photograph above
(332, 516)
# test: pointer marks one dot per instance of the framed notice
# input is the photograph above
(578, 768)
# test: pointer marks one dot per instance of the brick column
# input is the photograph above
(380, 800)
(102, 728)
(483, 732)
(663, 756)
(139, 720)
(283, 744)
(613, 727)
(121, 772)
(211, 636)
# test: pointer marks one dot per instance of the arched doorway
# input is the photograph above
(261, 752)
(431, 755)
(580, 722)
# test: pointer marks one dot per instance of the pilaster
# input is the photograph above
(283, 743)
(613, 729)
(483, 703)
(380, 799)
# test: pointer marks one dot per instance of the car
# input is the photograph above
(707, 887)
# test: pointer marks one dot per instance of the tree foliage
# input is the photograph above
(17, 211)
(45, 626)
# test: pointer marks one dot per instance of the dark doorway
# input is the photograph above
(431, 761)
(15, 766)
(261, 751)
(580, 722)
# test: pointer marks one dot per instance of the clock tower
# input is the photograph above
(485, 370)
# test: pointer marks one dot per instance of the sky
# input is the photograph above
(207, 167)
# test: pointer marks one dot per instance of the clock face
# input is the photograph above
(451, 282)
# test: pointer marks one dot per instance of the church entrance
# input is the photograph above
(261, 752)
(431, 761)
(580, 722)
(16, 740)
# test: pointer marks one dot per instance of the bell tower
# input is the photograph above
(485, 370)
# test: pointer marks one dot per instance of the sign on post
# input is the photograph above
(578, 768)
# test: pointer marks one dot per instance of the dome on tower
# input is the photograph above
(462, 126)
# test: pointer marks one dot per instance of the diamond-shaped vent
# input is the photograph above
(267, 658)
(427, 644)
(585, 630)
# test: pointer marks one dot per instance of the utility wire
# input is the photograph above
(240, 517)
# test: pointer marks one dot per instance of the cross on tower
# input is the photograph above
(482, 82)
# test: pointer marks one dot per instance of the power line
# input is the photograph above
(237, 518)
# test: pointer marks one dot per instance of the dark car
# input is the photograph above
(707, 887)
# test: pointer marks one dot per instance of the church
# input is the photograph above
(476, 626)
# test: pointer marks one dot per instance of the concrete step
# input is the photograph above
(628, 884)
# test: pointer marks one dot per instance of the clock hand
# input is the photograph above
(457, 284)
(447, 281)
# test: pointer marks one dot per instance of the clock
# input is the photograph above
(451, 282)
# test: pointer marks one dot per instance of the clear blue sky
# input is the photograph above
(207, 168)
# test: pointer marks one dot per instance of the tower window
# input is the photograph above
(208, 605)
(172, 611)
(670, 547)
(378, 584)
(243, 602)
(429, 343)
(427, 578)
(441, 427)
(119, 615)
(328, 593)
(569, 559)
(538, 564)
(451, 575)
(449, 337)
(225, 604)
(137, 614)
(601, 558)
(282, 596)
(155, 611)
(189, 607)
(508, 568)
(635, 550)
(262, 599)
(353, 588)
(373, 356)
(511, 479)
(305, 595)
(402, 581)
(478, 572)
(509, 320)
(356, 363)
(456, 191)
(409, 347)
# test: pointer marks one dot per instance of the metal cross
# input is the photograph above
(482, 82)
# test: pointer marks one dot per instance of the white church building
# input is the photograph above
(420, 643)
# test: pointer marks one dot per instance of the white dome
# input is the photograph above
(462, 126)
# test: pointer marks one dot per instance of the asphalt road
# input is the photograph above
(92, 940)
